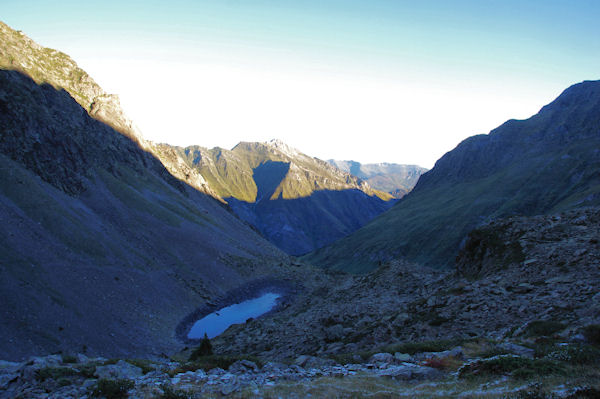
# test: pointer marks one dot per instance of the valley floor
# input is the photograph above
(520, 317)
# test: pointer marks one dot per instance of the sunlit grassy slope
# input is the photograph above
(547, 163)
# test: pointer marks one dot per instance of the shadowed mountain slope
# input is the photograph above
(547, 163)
(391, 178)
(101, 249)
(298, 202)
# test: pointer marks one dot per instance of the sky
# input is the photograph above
(369, 80)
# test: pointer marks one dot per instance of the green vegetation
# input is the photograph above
(112, 389)
(425, 346)
(541, 328)
(170, 393)
(55, 373)
(486, 177)
(205, 349)
(518, 367)
(592, 333)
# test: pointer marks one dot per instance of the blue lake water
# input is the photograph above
(217, 322)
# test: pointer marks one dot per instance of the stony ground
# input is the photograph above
(511, 273)
(471, 370)
(519, 317)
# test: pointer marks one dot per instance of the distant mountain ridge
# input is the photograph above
(298, 202)
(547, 163)
(392, 178)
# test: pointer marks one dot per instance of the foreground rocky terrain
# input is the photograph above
(520, 317)
(458, 372)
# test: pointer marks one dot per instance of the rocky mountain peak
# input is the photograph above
(45, 65)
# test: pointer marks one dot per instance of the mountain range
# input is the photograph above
(545, 164)
(298, 202)
(95, 234)
(111, 245)
(392, 178)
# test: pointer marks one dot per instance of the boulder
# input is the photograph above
(243, 366)
(382, 358)
(408, 371)
(120, 370)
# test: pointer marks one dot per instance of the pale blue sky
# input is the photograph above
(369, 80)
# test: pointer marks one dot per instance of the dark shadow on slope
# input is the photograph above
(267, 177)
(102, 248)
(301, 225)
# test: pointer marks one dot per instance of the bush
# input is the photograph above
(576, 354)
(69, 359)
(519, 367)
(170, 393)
(541, 328)
(205, 349)
(112, 389)
(585, 393)
(592, 334)
(54, 373)
(445, 363)
(426, 346)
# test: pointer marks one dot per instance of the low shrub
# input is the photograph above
(519, 367)
(585, 393)
(425, 346)
(69, 358)
(541, 328)
(112, 389)
(170, 393)
(576, 354)
(592, 334)
(444, 363)
(54, 373)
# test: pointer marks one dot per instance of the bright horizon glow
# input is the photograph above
(371, 81)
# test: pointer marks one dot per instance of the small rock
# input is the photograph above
(402, 357)
(516, 349)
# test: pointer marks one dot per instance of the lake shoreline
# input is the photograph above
(286, 289)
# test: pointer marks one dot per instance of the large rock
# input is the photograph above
(120, 370)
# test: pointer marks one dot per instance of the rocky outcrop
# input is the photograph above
(45, 65)
(542, 165)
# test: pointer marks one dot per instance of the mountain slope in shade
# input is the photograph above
(298, 202)
(101, 248)
(547, 163)
(391, 178)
